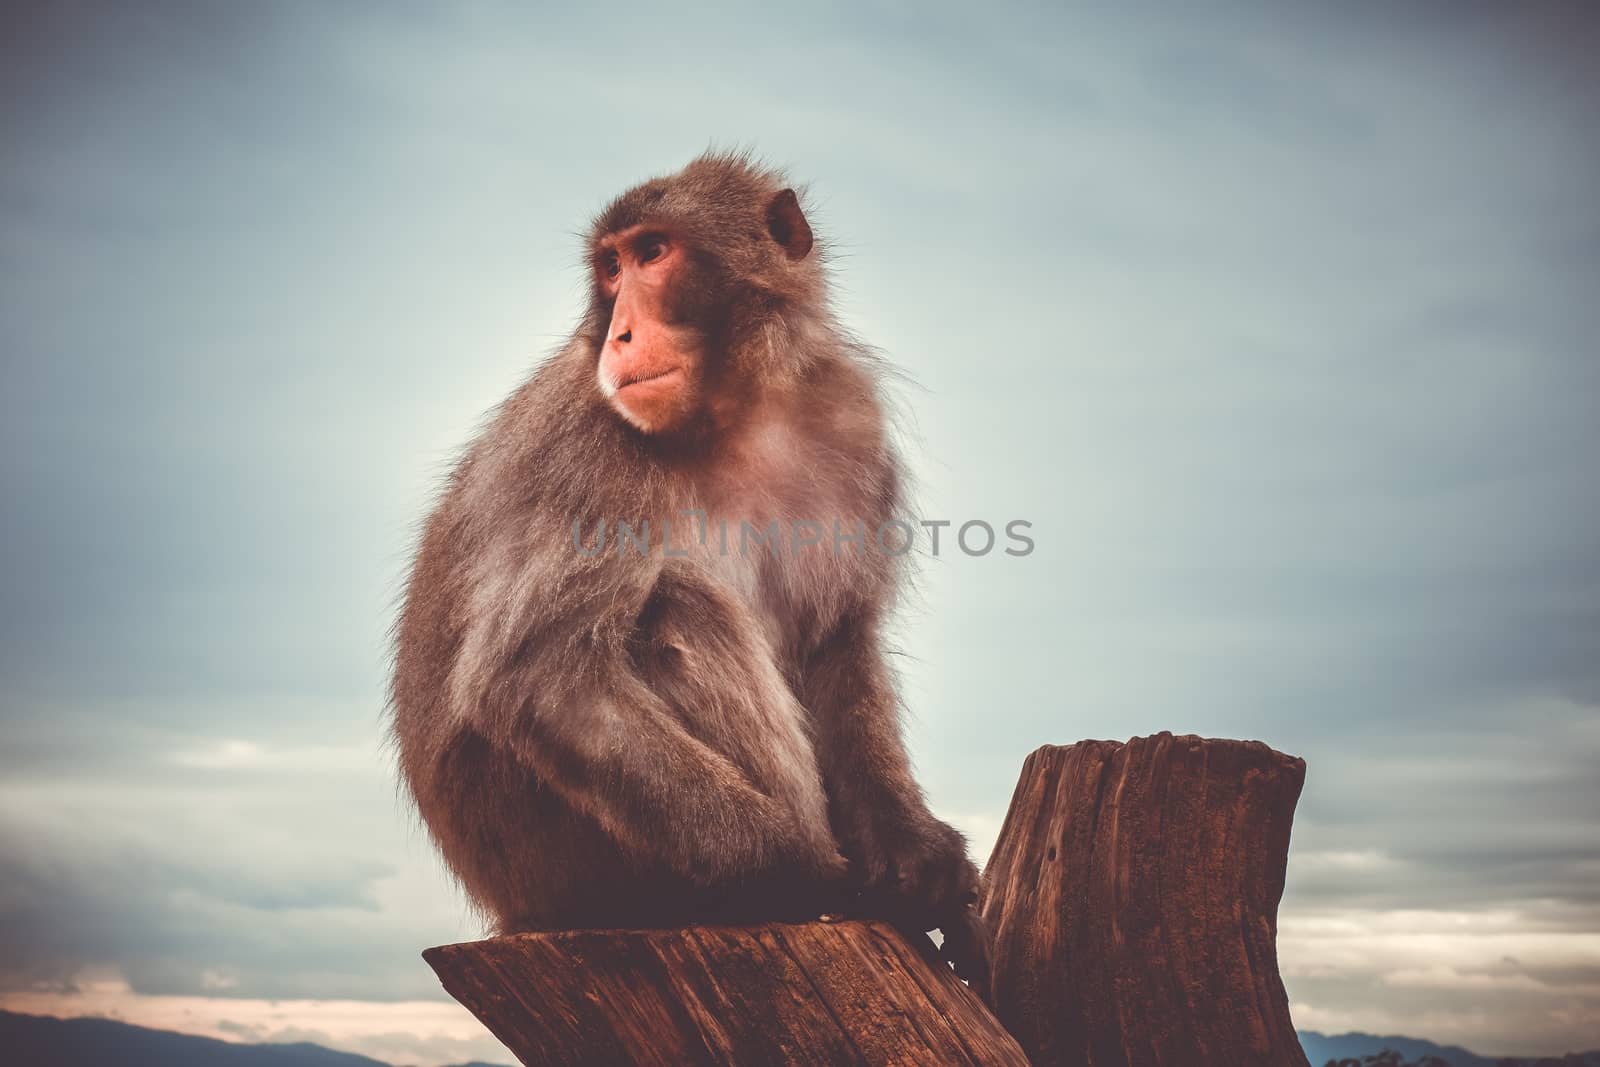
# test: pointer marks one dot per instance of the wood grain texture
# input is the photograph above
(813, 993)
(1133, 897)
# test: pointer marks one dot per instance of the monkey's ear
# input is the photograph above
(788, 225)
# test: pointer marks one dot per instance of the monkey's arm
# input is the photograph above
(682, 740)
(909, 862)
(623, 757)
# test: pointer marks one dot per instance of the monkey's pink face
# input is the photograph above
(649, 366)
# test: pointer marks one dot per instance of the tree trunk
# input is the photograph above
(1133, 897)
(817, 993)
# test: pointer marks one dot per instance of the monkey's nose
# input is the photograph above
(625, 336)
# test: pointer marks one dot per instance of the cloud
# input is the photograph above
(282, 887)
(1465, 977)
(236, 754)
(427, 1033)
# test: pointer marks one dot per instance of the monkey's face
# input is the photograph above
(683, 283)
(652, 362)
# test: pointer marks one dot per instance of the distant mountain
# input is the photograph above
(1320, 1048)
(40, 1041)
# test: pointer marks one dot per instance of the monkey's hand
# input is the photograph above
(913, 868)
(761, 841)
(823, 865)
(916, 874)
(799, 888)
(831, 892)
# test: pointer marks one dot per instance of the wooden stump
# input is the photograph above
(1133, 897)
(817, 993)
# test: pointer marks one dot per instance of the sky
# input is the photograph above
(1279, 327)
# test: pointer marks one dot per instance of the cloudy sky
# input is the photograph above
(1280, 329)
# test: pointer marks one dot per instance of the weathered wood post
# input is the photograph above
(1133, 897)
(811, 994)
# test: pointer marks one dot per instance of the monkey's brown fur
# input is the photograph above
(629, 739)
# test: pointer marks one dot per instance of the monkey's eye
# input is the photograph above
(611, 263)
(652, 249)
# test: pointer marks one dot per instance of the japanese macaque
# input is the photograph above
(685, 727)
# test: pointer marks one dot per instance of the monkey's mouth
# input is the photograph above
(661, 377)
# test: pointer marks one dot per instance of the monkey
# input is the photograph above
(673, 731)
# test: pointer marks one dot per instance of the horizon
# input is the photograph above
(1278, 327)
